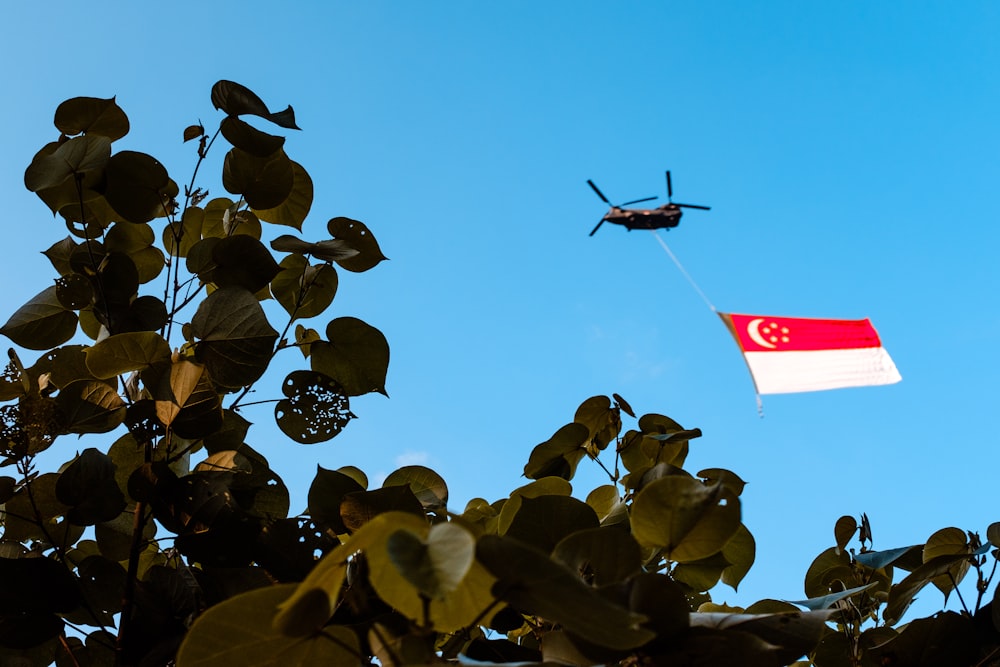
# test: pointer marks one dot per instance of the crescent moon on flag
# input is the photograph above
(753, 330)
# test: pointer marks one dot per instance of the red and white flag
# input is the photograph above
(791, 354)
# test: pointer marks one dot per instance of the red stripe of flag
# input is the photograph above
(757, 333)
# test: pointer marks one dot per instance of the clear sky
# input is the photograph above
(848, 151)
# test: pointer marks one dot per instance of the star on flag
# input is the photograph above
(793, 354)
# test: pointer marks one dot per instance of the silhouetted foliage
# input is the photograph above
(169, 542)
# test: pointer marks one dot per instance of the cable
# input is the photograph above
(684, 272)
(760, 403)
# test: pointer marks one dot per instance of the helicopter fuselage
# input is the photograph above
(661, 217)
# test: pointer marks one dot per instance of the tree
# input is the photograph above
(170, 540)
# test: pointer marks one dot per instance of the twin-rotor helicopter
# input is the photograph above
(662, 217)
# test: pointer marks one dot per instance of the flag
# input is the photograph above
(792, 354)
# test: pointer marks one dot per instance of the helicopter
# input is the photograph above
(662, 217)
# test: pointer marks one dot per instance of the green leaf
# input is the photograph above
(316, 408)
(740, 551)
(329, 250)
(786, 636)
(122, 353)
(293, 211)
(601, 555)
(827, 601)
(723, 476)
(92, 115)
(240, 631)
(356, 356)
(102, 583)
(360, 238)
(830, 566)
(304, 291)
(559, 455)
(946, 639)
(361, 507)
(180, 237)
(413, 562)
(314, 600)
(237, 100)
(242, 261)
(59, 254)
(118, 280)
(64, 365)
(877, 560)
(75, 157)
(89, 488)
(603, 420)
(246, 137)
(901, 595)
(543, 521)
(193, 132)
(224, 218)
(236, 341)
(42, 323)
(327, 491)
(604, 499)
(19, 512)
(532, 583)
(36, 585)
(138, 186)
(623, 405)
(993, 534)
(947, 542)
(187, 402)
(676, 436)
(90, 407)
(137, 242)
(74, 291)
(428, 486)
(435, 567)
(688, 520)
(265, 183)
(844, 530)
(701, 575)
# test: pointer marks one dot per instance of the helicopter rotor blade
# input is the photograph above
(670, 187)
(636, 201)
(599, 193)
(594, 230)
(703, 208)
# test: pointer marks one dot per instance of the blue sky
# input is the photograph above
(848, 152)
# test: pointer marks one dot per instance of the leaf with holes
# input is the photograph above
(316, 410)
(360, 238)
